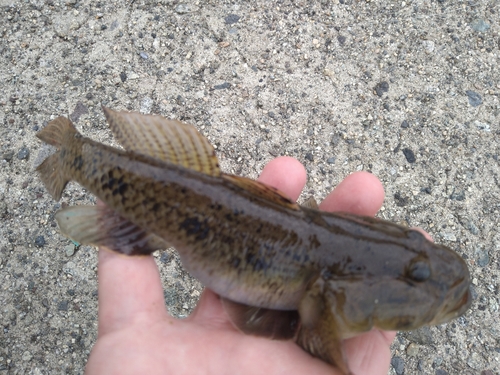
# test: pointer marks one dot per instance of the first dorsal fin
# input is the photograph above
(168, 140)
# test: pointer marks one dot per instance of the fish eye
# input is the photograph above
(418, 270)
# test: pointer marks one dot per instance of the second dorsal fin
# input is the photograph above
(262, 190)
(168, 140)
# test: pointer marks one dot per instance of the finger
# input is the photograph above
(210, 312)
(130, 291)
(370, 353)
(286, 174)
(360, 193)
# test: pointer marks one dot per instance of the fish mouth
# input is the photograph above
(460, 299)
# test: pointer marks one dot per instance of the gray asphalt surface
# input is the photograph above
(408, 90)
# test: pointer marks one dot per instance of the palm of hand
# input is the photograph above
(138, 336)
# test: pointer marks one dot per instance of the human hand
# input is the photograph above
(136, 334)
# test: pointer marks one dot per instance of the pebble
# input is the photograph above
(429, 46)
(23, 153)
(409, 155)
(144, 55)
(309, 156)
(480, 25)
(474, 98)
(26, 356)
(422, 336)
(7, 156)
(63, 306)
(182, 9)
(440, 371)
(231, 18)
(458, 195)
(39, 241)
(165, 257)
(69, 250)
(412, 350)
(398, 364)
(330, 160)
(449, 236)
(222, 86)
(474, 361)
(405, 124)
(381, 88)
(80, 109)
(482, 126)
(146, 105)
(482, 257)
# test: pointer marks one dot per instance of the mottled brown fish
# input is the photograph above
(284, 271)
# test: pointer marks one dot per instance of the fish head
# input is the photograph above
(432, 287)
(406, 289)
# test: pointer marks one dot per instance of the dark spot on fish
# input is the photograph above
(259, 265)
(78, 162)
(235, 262)
(183, 190)
(156, 207)
(229, 217)
(313, 240)
(193, 226)
(111, 182)
(122, 188)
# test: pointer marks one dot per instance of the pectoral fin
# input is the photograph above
(319, 333)
(168, 140)
(101, 226)
(273, 324)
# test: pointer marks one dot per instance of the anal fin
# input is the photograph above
(101, 226)
(273, 324)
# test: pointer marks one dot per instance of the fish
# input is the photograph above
(283, 270)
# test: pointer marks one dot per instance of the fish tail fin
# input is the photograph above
(56, 130)
(52, 176)
(51, 171)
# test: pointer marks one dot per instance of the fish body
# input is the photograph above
(327, 276)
